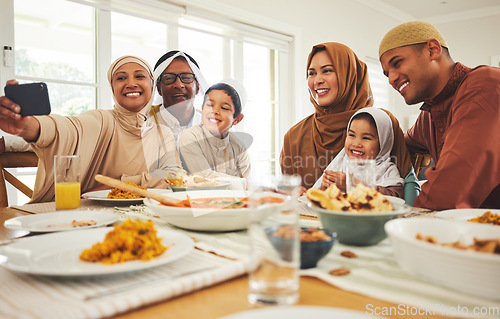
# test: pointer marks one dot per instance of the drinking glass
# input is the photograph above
(67, 181)
(360, 171)
(275, 242)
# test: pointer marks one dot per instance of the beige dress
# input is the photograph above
(117, 143)
(209, 156)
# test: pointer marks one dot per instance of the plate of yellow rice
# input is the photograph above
(130, 246)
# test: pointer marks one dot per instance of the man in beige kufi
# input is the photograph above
(459, 122)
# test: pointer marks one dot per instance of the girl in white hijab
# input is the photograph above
(375, 140)
(120, 143)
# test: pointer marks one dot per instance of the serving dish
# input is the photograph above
(466, 271)
(102, 196)
(204, 219)
(359, 229)
(57, 254)
(60, 220)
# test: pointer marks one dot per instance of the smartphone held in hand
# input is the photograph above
(33, 98)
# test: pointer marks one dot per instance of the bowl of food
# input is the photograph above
(359, 217)
(209, 210)
(315, 243)
(461, 256)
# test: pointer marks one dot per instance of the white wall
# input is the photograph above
(471, 42)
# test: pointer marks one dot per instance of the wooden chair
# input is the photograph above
(11, 160)
(420, 161)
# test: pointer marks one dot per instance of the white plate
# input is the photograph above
(464, 214)
(470, 272)
(298, 312)
(221, 185)
(60, 221)
(57, 254)
(103, 196)
(204, 219)
(394, 199)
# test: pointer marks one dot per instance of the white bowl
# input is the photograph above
(466, 271)
(204, 219)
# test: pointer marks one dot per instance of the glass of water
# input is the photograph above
(275, 243)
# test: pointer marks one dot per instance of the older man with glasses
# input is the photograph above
(179, 81)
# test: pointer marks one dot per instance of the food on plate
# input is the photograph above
(83, 223)
(227, 202)
(131, 240)
(342, 271)
(361, 199)
(182, 179)
(348, 254)
(487, 218)
(116, 193)
(177, 180)
(491, 246)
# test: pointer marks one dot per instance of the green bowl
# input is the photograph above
(359, 229)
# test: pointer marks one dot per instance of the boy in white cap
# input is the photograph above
(459, 122)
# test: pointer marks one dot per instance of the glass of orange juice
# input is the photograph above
(67, 181)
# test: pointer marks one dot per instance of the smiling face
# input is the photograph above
(322, 79)
(412, 72)
(218, 111)
(178, 92)
(362, 140)
(132, 86)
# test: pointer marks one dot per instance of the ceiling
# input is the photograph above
(435, 11)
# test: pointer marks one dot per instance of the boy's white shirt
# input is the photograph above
(387, 173)
(173, 124)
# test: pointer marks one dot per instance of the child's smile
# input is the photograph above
(362, 140)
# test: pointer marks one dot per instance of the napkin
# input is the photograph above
(26, 296)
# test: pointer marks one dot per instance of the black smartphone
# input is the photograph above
(33, 98)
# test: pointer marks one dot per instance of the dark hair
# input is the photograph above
(231, 92)
(365, 116)
(420, 46)
(172, 53)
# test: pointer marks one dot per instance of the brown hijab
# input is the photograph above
(313, 143)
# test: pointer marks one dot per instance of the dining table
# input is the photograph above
(228, 296)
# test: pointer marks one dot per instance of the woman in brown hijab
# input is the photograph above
(338, 87)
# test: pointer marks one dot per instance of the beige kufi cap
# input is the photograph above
(408, 33)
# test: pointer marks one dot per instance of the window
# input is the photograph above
(378, 82)
(57, 47)
(71, 46)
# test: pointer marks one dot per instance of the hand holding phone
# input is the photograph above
(33, 98)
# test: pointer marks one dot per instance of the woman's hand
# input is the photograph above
(331, 177)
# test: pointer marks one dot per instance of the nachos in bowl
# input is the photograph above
(361, 199)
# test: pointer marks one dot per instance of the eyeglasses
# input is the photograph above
(170, 78)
